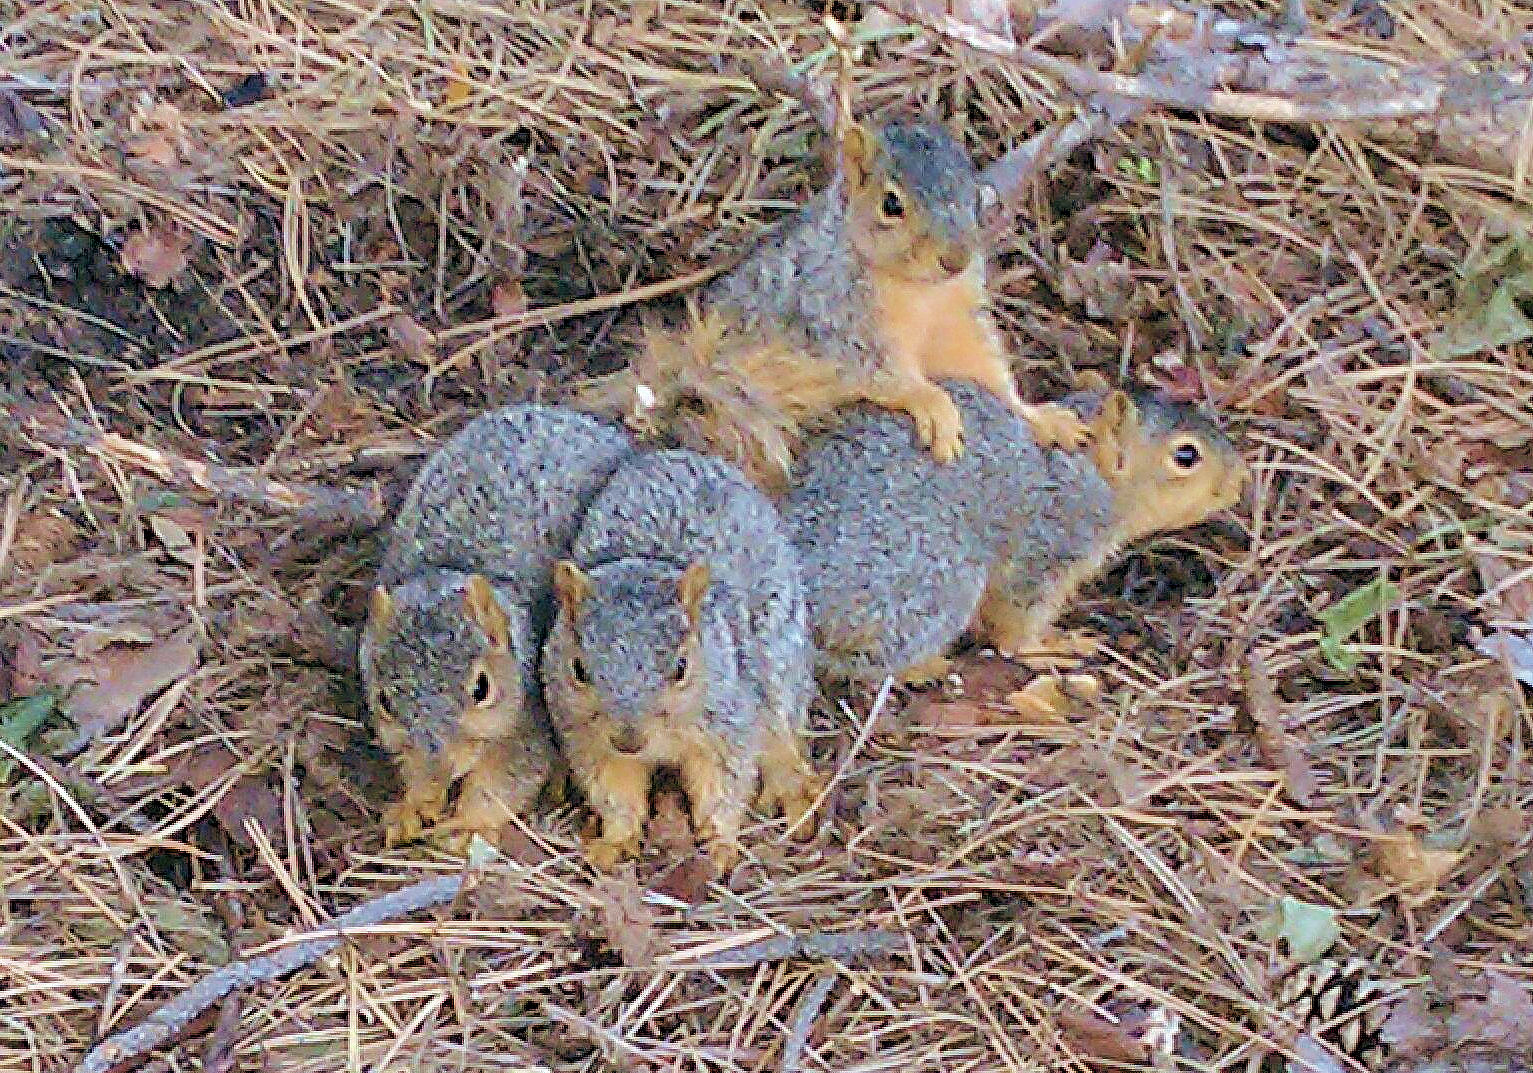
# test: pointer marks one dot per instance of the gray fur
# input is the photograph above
(896, 548)
(669, 508)
(501, 498)
(635, 621)
(504, 498)
(422, 668)
(929, 159)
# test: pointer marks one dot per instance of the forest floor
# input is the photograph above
(259, 258)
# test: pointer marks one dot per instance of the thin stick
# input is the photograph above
(171, 1019)
(804, 1017)
(839, 945)
(359, 508)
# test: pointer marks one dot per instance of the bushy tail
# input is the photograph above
(714, 391)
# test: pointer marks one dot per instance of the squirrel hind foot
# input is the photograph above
(927, 672)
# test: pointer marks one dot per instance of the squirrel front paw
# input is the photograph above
(407, 818)
(1054, 425)
(927, 672)
(939, 424)
(605, 853)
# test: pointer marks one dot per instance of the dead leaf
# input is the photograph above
(120, 679)
(1502, 1019)
(1092, 1034)
(174, 537)
(1516, 648)
(156, 256)
(629, 923)
(1055, 698)
(413, 340)
(507, 298)
(251, 797)
(927, 711)
(43, 537)
(1277, 745)
(1506, 578)
(1102, 284)
(1417, 869)
(1309, 930)
(1413, 1028)
(459, 87)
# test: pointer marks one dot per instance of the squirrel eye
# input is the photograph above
(1186, 455)
(578, 669)
(484, 689)
(892, 206)
(681, 668)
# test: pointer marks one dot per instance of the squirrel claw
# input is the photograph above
(604, 854)
(928, 672)
(1054, 425)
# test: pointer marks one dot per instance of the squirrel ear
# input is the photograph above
(693, 586)
(483, 607)
(380, 608)
(1113, 428)
(571, 586)
(857, 150)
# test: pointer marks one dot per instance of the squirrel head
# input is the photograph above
(626, 666)
(914, 200)
(1169, 466)
(439, 662)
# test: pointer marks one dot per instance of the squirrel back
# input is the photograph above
(900, 554)
(504, 497)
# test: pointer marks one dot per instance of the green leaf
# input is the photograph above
(1309, 930)
(1351, 613)
(1490, 306)
(19, 720)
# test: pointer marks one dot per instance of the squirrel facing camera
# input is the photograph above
(444, 660)
(915, 200)
(900, 555)
(705, 667)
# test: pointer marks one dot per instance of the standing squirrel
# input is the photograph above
(872, 292)
(449, 651)
(681, 639)
(900, 555)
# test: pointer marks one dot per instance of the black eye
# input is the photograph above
(1186, 455)
(578, 669)
(681, 668)
(892, 206)
(482, 687)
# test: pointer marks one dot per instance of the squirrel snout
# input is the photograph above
(628, 740)
(954, 259)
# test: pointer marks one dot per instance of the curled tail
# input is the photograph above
(719, 392)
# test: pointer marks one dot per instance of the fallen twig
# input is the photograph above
(804, 1017)
(171, 1019)
(358, 509)
(1199, 60)
(837, 945)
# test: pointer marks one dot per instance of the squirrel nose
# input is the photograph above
(954, 260)
(627, 740)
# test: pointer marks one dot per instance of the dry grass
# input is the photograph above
(367, 265)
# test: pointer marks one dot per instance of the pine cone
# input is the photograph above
(1336, 1003)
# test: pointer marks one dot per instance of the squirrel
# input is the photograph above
(448, 654)
(900, 555)
(681, 638)
(872, 292)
